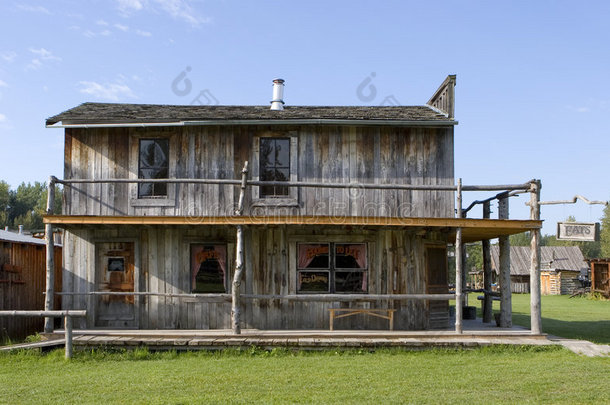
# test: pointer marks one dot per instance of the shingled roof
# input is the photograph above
(105, 113)
(556, 258)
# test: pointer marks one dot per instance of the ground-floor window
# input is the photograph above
(332, 268)
(208, 268)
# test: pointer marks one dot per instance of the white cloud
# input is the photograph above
(129, 5)
(3, 83)
(76, 15)
(5, 122)
(8, 56)
(35, 64)
(107, 91)
(105, 33)
(178, 9)
(102, 23)
(143, 33)
(590, 106)
(181, 9)
(44, 54)
(34, 9)
(41, 55)
(121, 27)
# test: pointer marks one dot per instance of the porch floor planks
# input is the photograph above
(475, 334)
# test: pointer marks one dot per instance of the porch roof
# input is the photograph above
(472, 229)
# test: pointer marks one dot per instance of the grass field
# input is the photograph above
(575, 318)
(495, 374)
(498, 374)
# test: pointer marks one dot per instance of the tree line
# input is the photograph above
(26, 205)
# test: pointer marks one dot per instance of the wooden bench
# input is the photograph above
(335, 313)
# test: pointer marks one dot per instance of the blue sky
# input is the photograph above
(532, 95)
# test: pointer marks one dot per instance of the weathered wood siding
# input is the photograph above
(22, 283)
(162, 265)
(349, 154)
(569, 282)
(558, 282)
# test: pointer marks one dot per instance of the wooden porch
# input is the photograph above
(475, 333)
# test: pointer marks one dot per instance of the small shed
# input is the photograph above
(600, 276)
(22, 281)
(560, 267)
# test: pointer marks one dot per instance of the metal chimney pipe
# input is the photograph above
(20, 229)
(277, 103)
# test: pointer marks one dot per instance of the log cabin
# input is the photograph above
(560, 268)
(216, 217)
(22, 279)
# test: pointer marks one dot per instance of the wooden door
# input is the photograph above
(436, 283)
(115, 270)
(545, 284)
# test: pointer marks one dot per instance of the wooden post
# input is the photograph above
(50, 265)
(239, 257)
(487, 302)
(506, 316)
(68, 328)
(535, 308)
(458, 264)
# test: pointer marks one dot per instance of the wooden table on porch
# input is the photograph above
(389, 314)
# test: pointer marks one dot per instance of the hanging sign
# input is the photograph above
(578, 231)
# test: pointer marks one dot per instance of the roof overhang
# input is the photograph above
(363, 122)
(472, 229)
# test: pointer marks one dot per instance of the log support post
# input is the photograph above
(458, 264)
(68, 328)
(535, 309)
(239, 257)
(487, 302)
(505, 292)
(50, 257)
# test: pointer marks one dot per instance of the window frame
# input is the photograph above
(292, 198)
(153, 196)
(332, 268)
(275, 167)
(227, 271)
(135, 135)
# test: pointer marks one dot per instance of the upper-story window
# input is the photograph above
(153, 164)
(274, 165)
(274, 158)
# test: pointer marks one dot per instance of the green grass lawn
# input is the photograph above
(498, 374)
(575, 318)
(494, 374)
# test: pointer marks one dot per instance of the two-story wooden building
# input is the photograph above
(342, 207)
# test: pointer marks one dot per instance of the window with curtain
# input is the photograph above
(209, 268)
(332, 268)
